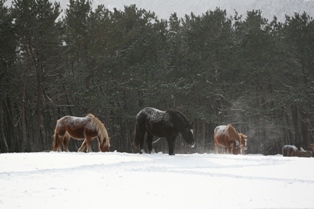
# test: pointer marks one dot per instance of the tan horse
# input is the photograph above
(227, 137)
(80, 128)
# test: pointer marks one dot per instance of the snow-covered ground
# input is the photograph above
(122, 180)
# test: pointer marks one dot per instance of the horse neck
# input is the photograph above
(180, 122)
(99, 127)
(233, 133)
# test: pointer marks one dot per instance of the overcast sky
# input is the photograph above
(164, 8)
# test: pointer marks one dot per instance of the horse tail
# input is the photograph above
(55, 142)
(136, 140)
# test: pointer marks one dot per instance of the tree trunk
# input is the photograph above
(3, 141)
(11, 132)
(23, 138)
(295, 120)
(202, 131)
(38, 112)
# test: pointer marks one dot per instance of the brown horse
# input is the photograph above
(228, 138)
(80, 128)
(290, 150)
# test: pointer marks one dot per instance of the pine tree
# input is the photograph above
(38, 37)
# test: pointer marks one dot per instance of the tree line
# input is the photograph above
(254, 73)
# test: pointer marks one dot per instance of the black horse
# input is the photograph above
(166, 124)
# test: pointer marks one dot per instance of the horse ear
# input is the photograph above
(243, 136)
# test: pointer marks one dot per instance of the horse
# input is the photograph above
(289, 151)
(305, 153)
(80, 128)
(168, 124)
(227, 137)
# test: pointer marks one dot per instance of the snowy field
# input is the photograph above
(122, 180)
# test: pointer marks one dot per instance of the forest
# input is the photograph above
(248, 71)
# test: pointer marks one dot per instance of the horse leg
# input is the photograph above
(139, 134)
(99, 144)
(228, 149)
(284, 152)
(88, 144)
(66, 139)
(58, 141)
(216, 146)
(171, 142)
(150, 142)
(82, 147)
(216, 149)
(141, 140)
(233, 148)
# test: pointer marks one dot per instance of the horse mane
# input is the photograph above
(180, 121)
(100, 127)
(180, 115)
(233, 134)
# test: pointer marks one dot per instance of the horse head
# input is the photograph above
(104, 141)
(186, 129)
(104, 148)
(187, 134)
(243, 140)
(104, 145)
(103, 138)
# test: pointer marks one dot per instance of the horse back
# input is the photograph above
(77, 127)
(220, 130)
(156, 122)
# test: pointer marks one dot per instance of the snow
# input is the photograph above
(123, 180)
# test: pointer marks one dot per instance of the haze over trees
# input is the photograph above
(252, 72)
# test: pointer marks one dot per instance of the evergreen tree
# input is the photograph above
(298, 31)
(8, 83)
(38, 37)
